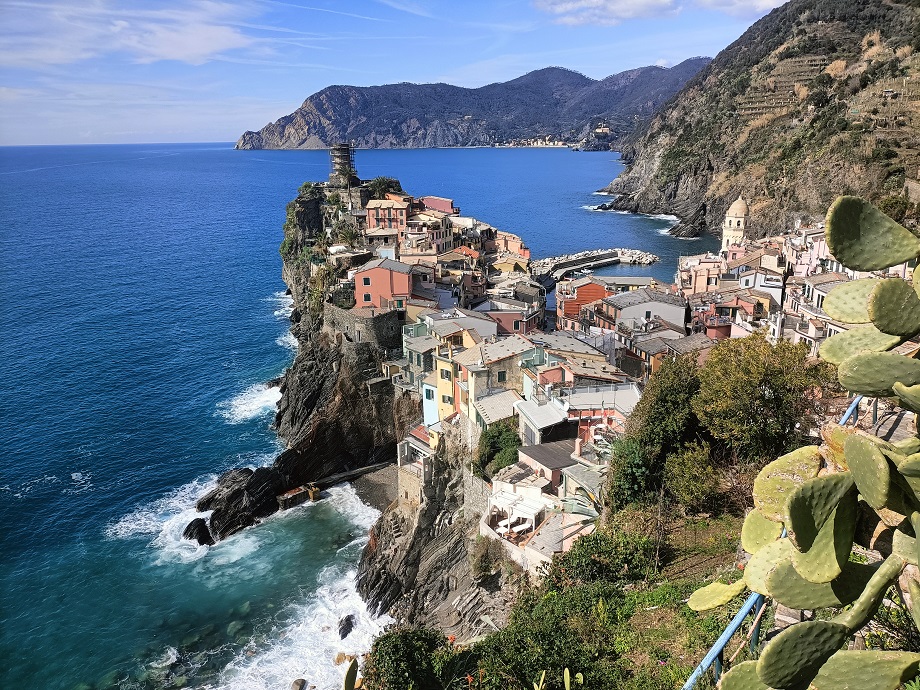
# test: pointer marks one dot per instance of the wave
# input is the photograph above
(284, 304)
(287, 340)
(663, 216)
(603, 194)
(306, 647)
(151, 519)
(255, 401)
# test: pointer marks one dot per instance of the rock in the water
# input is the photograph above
(234, 628)
(299, 684)
(346, 625)
(197, 530)
(228, 483)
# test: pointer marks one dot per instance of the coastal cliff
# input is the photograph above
(417, 565)
(818, 98)
(335, 414)
(555, 102)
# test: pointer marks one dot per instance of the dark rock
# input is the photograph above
(261, 491)
(346, 625)
(227, 483)
(299, 684)
(229, 520)
(605, 207)
(197, 531)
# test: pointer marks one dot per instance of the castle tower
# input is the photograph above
(342, 158)
(736, 222)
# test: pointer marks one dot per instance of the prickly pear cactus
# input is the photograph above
(808, 503)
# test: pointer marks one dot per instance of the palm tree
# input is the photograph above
(346, 232)
(379, 187)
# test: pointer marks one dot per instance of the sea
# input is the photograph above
(142, 311)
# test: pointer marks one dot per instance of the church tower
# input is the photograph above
(736, 222)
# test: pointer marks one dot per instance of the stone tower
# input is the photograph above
(736, 222)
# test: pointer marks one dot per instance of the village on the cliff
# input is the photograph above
(462, 311)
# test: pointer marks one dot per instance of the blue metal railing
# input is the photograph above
(715, 656)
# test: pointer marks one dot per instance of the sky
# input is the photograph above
(126, 71)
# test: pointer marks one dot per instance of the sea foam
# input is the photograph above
(287, 340)
(284, 304)
(255, 401)
(306, 646)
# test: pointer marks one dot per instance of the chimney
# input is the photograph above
(578, 447)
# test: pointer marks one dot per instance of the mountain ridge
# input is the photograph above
(551, 101)
(816, 99)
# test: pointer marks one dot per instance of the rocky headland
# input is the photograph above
(552, 102)
(816, 99)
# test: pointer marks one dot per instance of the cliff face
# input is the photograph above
(552, 101)
(331, 419)
(818, 98)
(417, 568)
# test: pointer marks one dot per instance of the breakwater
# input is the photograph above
(555, 268)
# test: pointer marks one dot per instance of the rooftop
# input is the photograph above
(692, 343)
(542, 416)
(643, 296)
(498, 406)
(387, 203)
(563, 342)
(552, 456)
(388, 264)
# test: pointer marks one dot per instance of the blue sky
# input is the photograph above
(117, 71)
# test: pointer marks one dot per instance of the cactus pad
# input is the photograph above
(758, 531)
(849, 302)
(869, 468)
(763, 562)
(714, 594)
(909, 445)
(831, 547)
(865, 239)
(351, 676)
(810, 505)
(777, 479)
(742, 676)
(914, 588)
(789, 588)
(871, 598)
(834, 436)
(839, 347)
(867, 670)
(894, 307)
(794, 657)
(875, 373)
(904, 546)
(908, 397)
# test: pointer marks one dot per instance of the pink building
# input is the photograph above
(438, 203)
(390, 284)
(387, 213)
(506, 242)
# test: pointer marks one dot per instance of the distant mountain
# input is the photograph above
(817, 99)
(552, 101)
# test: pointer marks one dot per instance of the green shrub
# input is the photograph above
(633, 476)
(690, 477)
(497, 448)
(606, 555)
(401, 659)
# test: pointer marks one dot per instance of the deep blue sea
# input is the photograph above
(141, 309)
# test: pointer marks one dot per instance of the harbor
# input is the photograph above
(551, 270)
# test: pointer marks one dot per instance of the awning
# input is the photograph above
(503, 500)
(527, 509)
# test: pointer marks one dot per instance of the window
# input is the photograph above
(502, 376)
(446, 399)
(516, 325)
(367, 297)
(418, 359)
(399, 304)
(445, 374)
(366, 280)
(648, 315)
(429, 394)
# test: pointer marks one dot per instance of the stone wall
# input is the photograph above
(409, 486)
(381, 328)
(475, 494)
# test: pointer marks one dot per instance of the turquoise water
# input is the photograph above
(142, 310)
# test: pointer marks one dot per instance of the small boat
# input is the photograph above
(584, 272)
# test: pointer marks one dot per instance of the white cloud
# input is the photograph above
(615, 11)
(742, 7)
(37, 34)
(603, 11)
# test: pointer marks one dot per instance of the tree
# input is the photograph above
(661, 423)
(346, 232)
(403, 659)
(760, 399)
(380, 186)
(497, 448)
